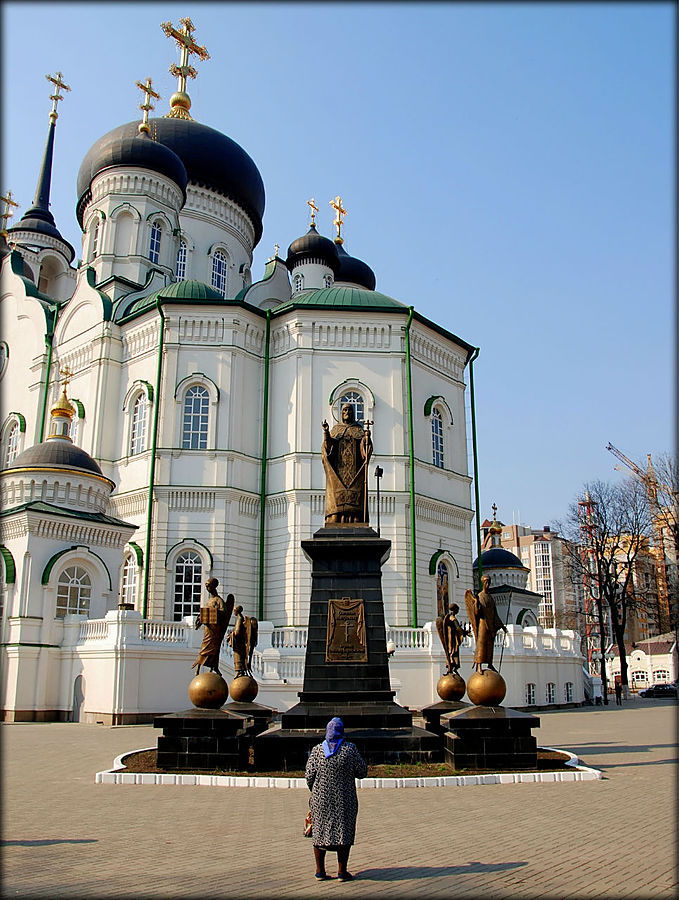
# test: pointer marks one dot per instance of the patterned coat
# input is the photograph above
(334, 803)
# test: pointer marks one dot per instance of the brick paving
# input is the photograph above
(64, 836)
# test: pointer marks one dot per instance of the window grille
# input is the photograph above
(219, 266)
(437, 438)
(154, 246)
(95, 240)
(138, 427)
(188, 574)
(530, 694)
(180, 267)
(128, 592)
(568, 692)
(195, 424)
(74, 590)
(12, 444)
(550, 693)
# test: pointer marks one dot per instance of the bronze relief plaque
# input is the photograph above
(345, 639)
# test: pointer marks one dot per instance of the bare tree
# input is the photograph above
(662, 480)
(603, 553)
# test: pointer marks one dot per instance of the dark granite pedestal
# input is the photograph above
(432, 714)
(262, 716)
(203, 739)
(490, 737)
(346, 671)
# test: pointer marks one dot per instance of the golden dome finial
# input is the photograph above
(339, 218)
(180, 102)
(146, 106)
(314, 209)
(9, 202)
(63, 408)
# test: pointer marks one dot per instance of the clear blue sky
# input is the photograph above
(508, 170)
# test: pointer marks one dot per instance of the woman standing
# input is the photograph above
(330, 773)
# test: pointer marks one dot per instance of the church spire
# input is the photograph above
(41, 202)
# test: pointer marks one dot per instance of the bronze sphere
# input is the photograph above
(486, 688)
(243, 689)
(208, 691)
(451, 686)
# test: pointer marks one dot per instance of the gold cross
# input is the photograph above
(66, 375)
(146, 106)
(7, 214)
(494, 508)
(314, 209)
(186, 43)
(339, 218)
(276, 248)
(56, 96)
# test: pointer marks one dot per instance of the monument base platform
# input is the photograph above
(432, 713)
(262, 716)
(490, 737)
(203, 739)
(362, 710)
(288, 749)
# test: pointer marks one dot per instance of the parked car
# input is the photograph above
(659, 690)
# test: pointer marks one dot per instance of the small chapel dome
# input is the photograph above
(311, 247)
(208, 158)
(342, 297)
(354, 270)
(499, 558)
(55, 455)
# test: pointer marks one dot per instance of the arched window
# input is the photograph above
(219, 266)
(568, 692)
(128, 591)
(530, 694)
(188, 576)
(74, 590)
(550, 692)
(437, 437)
(95, 239)
(639, 678)
(138, 425)
(195, 420)
(4, 357)
(298, 282)
(180, 267)
(442, 589)
(11, 444)
(356, 400)
(327, 281)
(661, 676)
(154, 245)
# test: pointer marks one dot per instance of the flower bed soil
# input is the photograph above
(145, 761)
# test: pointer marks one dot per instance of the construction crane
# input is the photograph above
(651, 484)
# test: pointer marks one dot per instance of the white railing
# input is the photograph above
(292, 669)
(168, 632)
(410, 638)
(289, 637)
(93, 630)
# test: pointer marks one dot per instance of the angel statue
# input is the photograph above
(243, 640)
(485, 624)
(451, 634)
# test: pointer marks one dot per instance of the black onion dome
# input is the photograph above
(499, 558)
(59, 454)
(210, 158)
(312, 245)
(125, 146)
(354, 270)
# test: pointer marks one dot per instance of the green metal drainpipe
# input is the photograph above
(476, 463)
(152, 470)
(50, 350)
(262, 484)
(411, 453)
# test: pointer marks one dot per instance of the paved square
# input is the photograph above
(64, 836)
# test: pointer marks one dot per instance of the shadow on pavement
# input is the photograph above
(46, 842)
(605, 747)
(402, 873)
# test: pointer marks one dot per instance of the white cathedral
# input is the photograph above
(161, 424)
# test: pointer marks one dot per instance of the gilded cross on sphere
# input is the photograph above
(146, 106)
(56, 96)
(314, 209)
(339, 218)
(188, 46)
(7, 214)
(494, 508)
(66, 376)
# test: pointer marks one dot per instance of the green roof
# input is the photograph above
(182, 291)
(342, 297)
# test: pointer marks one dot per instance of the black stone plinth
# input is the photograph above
(346, 562)
(289, 749)
(262, 716)
(490, 737)
(432, 713)
(203, 739)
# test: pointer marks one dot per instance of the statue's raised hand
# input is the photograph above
(325, 425)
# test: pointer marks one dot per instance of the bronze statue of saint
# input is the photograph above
(452, 634)
(215, 616)
(243, 640)
(346, 452)
(485, 624)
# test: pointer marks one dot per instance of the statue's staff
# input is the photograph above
(366, 444)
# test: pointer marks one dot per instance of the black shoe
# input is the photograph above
(347, 876)
(322, 876)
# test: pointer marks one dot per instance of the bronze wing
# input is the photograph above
(252, 632)
(470, 603)
(439, 629)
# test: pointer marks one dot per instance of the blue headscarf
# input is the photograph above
(334, 735)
